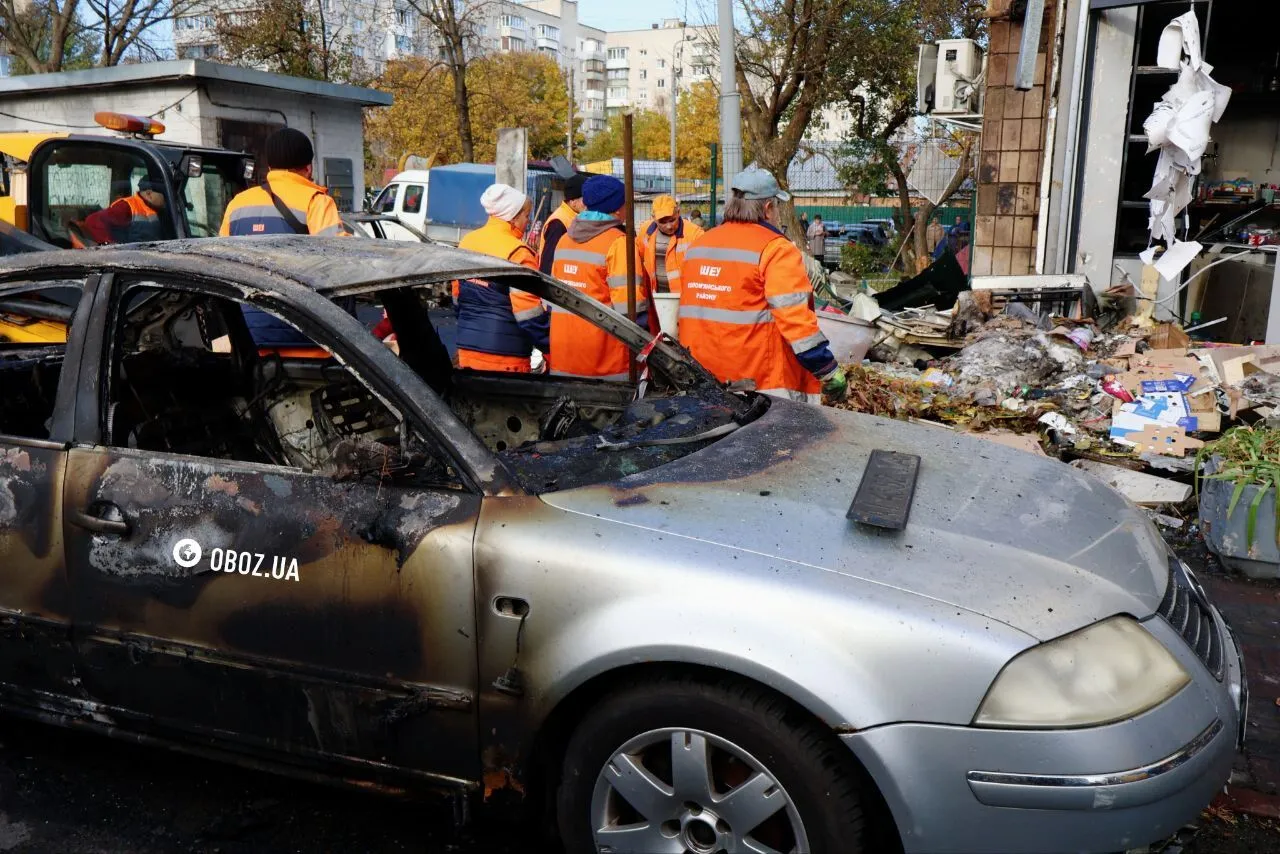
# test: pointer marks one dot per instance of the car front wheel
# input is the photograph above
(688, 766)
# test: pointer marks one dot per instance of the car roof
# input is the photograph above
(323, 264)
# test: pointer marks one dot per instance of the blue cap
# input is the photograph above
(604, 194)
(757, 184)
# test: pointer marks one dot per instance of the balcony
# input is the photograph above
(589, 55)
(546, 43)
(594, 69)
(619, 64)
(513, 32)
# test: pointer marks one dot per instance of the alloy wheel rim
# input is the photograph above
(688, 791)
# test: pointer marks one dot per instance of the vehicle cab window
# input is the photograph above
(386, 201)
(35, 320)
(91, 194)
(413, 198)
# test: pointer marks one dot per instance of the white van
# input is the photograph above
(405, 198)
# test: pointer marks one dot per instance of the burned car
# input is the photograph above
(643, 607)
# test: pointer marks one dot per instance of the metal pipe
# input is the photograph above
(1050, 138)
(1071, 156)
(715, 175)
(730, 100)
(675, 96)
(628, 177)
(1032, 25)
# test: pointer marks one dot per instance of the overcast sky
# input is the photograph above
(633, 15)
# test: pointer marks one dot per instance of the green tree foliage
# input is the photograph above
(289, 37)
(879, 83)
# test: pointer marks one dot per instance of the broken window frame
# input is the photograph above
(67, 373)
(120, 288)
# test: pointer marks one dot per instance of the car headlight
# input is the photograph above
(1110, 671)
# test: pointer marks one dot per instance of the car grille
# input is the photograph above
(1185, 608)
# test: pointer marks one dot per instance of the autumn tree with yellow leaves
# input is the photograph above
(697, 126)
(505, 90)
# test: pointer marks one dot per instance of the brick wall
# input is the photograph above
(1013, 134)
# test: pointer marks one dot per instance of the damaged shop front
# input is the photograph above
(1169, 188)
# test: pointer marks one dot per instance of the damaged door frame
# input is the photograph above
(435, 724)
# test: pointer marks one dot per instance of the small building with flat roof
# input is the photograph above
(205, 103)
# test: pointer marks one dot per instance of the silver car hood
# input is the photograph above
(1015, 537)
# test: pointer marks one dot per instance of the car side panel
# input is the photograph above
(605, 595)
(36, 654)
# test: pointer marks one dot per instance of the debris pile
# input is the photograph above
(1050, 370)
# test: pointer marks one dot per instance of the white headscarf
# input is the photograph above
(503, 202)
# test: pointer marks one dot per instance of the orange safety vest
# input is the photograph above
(564, 215)
(597, 268)
(677, 245)
(746, 309)
(488, 315)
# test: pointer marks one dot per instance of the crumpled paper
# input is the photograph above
(1179, 128)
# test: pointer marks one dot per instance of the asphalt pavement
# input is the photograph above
(77, 793)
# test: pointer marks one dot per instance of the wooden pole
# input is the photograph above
(628, 177)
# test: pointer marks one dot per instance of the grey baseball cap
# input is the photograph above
(757, 184)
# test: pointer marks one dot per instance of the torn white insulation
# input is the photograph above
(1179, 128)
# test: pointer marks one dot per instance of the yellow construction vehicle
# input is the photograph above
(74, 190)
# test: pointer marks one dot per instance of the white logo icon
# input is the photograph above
(187, 553)
(710, 271)
(570, 269)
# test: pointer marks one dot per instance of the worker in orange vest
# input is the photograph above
(592, 257)
(498, 325)
(746, 310)
(663, 243)
(129, 219)
(558, 223)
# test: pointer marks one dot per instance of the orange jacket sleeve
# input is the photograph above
(789, 294)
(323, 219)
(525, 305)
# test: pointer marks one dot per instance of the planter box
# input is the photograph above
(1228, 538)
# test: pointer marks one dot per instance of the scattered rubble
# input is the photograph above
(1049, 370)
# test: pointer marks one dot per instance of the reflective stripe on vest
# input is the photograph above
(486, 321)
(727, 320)
(578, 347)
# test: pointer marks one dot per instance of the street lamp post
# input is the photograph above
(676, 50)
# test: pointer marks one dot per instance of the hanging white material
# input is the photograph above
(1179, 129)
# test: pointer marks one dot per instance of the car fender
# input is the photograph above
(604, 596)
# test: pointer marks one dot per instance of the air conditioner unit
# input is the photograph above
(958, 82)
(926, 77)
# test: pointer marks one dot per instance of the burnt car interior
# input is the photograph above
(186, 377)
(33, 335)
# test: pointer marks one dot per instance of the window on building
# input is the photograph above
(644, 74)
(511, 43)
(358, 52)
(644, 52)
(404, 18)
(515, 22)
(662, 63)
(642, 95)
(358, 25)
(548, 32)
(662, 84)
(617, 53)
(6, 65)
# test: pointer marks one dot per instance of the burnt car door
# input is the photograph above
(269, 555)
(37, 384)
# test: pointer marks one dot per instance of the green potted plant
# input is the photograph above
(1237, 478)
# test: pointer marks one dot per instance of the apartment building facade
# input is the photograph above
(552, 27)
(647, 69)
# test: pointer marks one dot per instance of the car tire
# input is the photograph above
(756, 746)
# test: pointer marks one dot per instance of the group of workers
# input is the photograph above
(746, 300)
(746, 307)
